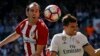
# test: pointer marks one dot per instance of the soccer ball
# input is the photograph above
(52, 13)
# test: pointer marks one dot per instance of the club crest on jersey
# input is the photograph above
(64, 39)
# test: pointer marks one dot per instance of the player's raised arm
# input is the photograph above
(10, 38)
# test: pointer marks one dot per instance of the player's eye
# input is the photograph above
(32, 10)
(36, 10)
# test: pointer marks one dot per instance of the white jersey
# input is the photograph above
(67, 45)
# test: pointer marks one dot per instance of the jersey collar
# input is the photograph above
(64, 33)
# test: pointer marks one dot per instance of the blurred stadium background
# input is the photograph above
(13, 11)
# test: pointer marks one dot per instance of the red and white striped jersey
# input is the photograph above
(32, 35)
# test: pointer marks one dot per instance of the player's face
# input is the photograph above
(33, 13)
(71, 29)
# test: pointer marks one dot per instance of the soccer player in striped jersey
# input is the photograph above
(33, 30)
(70, 42)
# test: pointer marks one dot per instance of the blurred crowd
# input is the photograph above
(13, 11)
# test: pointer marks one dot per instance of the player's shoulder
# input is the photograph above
(41, 23)
(58, 35)
(23, 21)
(79, 34)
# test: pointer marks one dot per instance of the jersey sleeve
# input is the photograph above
(84, 40)
(42, 34)
(54, 44)
(19, 27)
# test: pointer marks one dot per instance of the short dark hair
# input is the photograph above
(33, 3)
(68, 19)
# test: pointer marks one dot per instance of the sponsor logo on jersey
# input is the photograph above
(30, 40)
(71, 51)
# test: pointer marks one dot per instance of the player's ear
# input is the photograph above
(26, 13)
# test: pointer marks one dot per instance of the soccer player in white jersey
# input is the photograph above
(70, 42)
(33, 30)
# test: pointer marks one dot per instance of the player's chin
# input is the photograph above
(74, 33)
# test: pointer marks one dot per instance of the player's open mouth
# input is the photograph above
(33, 17)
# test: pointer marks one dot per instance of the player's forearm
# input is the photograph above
(92, 53)
(10, 38)
(39, 50)
(53, 53)
(36, 54)
(90, 50)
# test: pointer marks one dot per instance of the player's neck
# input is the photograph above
(67, 33)
(33, 22)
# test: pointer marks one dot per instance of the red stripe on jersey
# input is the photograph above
(20, 26)
(28, 31)
(29, 49)
(27, 43)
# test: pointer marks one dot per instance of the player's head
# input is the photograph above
(32, 11)
(70, 24)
